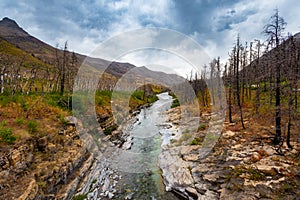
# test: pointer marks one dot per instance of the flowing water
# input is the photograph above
(141, 176)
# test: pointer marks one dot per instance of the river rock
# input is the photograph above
(175, 171)
(127, 144)
(70, 120)
(110, 195)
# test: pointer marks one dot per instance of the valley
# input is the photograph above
(77, 127)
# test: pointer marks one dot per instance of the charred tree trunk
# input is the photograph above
(237, 61)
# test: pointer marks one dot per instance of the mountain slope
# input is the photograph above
(10, 31)
(263, 68)
(10, 53)
(41, 53)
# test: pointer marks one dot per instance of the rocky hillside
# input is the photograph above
(40, 149)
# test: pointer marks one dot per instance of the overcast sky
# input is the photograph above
(214, 24)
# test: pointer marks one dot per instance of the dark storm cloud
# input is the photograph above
(232, 17)
(198, 15)
(85, 23)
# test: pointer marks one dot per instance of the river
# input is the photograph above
(138, 166)
(134, 171)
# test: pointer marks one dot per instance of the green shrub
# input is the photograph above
(80, 197)
(254, 174)
(7, 135)
(186, 136)
(152, 98)
(3, 123)
(175, 103)
(24, 104)
(196, 141)
(172, 94)
(5, 100)
(57, 100)
(202, 127)
(137, 95)
(100, 102)
(65, 102)
(109, 130)
(63, 120)
(20, 121)
(32, 126)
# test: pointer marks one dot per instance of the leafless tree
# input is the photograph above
(237, 79)
(63, 69)
(274, 31)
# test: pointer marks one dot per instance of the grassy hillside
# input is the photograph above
(46, 112)
(11, 54)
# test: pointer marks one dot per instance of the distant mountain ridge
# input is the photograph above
(15, 35)
(11, 28)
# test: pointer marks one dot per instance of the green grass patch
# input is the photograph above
(57, 100)
(7, 136)
(32, 126)
(196, 141)
(20, 121)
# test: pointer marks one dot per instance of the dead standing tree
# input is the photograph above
(257, 71)
(63, 69)
(229, 82)
(237, 78)
(274, 31)
(291, 55)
